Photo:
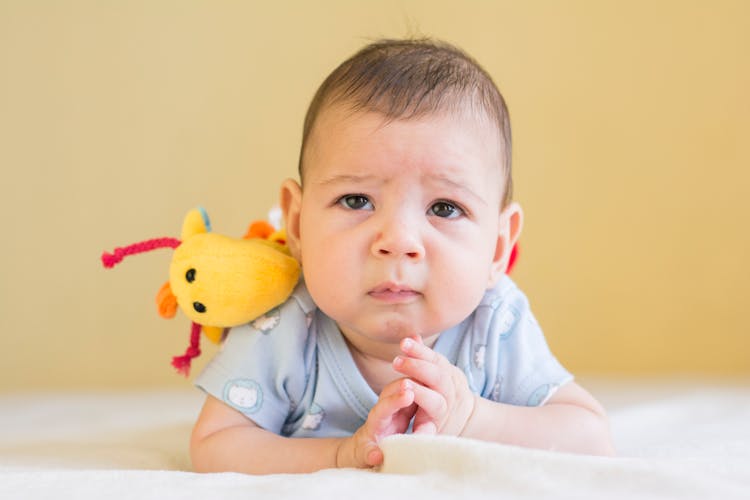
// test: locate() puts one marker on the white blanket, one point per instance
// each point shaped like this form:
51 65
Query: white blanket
674 441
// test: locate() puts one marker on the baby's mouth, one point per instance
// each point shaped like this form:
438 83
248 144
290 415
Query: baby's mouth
393 293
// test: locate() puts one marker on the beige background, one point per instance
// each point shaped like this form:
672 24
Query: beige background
631 124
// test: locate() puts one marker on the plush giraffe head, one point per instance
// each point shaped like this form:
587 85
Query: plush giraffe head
219 281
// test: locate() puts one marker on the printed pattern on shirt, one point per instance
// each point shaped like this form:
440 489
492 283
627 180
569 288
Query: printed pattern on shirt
244 394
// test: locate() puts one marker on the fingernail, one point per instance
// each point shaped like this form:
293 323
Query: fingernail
407 343
398 361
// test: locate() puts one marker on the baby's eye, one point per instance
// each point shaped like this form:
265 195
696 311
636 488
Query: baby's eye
446 210
355 202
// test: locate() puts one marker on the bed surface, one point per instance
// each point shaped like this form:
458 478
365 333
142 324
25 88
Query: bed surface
674 440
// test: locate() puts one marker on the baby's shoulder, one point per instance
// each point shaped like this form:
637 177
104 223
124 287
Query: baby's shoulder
284 328
294 314
505 294
503 310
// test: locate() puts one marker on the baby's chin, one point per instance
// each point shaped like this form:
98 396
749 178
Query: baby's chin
394 328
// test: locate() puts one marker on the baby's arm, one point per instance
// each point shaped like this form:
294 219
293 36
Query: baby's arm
225 440
572 420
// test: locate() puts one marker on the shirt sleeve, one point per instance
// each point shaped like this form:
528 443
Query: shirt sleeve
519 367
262 367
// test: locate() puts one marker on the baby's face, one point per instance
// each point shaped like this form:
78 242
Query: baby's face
400 223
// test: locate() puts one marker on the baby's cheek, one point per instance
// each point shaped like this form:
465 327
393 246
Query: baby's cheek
329 282
463 291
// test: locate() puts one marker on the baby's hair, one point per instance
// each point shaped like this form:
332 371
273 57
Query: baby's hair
411 78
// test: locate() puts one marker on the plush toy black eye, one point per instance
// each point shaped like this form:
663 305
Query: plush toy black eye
199 307
190 275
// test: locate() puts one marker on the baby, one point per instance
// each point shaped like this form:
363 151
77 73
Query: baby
405 320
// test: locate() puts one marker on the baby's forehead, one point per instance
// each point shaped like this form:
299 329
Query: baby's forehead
442 150
342 119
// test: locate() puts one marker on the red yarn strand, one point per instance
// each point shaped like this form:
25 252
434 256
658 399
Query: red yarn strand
110 260
182 363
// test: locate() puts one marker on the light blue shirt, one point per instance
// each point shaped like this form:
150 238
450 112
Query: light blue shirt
291 372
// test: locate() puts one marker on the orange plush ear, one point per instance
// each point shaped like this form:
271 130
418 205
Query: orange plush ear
166 302
259 229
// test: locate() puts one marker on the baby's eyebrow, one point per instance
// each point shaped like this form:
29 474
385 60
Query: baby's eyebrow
360 179
445 180
345 179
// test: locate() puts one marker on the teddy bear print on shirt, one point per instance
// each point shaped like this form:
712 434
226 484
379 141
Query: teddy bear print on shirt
244 394
268 321
314 418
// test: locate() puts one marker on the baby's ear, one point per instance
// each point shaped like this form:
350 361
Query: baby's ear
509 230
291 205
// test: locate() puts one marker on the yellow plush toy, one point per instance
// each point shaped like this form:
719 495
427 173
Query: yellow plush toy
218 281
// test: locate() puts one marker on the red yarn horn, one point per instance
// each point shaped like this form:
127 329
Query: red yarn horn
110 260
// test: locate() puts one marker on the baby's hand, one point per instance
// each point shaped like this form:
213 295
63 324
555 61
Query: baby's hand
441 391
390 415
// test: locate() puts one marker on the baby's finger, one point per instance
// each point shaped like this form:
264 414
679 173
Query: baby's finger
394 387
414 348
424 372
424 426
388 405
373 456
432 403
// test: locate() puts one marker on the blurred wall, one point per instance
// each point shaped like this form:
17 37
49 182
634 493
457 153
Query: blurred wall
631 125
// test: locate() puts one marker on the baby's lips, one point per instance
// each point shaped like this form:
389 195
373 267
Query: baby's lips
392 288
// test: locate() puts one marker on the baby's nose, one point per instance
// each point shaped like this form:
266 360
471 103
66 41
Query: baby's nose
397 239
